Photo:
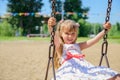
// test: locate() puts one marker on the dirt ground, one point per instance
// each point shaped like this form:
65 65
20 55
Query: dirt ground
27 60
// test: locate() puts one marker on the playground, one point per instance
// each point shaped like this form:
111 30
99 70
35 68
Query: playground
27 60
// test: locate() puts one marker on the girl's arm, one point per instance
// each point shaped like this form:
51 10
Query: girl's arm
51 23
94 40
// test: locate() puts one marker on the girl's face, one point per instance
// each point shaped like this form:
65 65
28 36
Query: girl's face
69 37
68 31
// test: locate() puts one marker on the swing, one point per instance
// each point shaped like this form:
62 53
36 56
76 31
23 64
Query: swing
105 42
52 45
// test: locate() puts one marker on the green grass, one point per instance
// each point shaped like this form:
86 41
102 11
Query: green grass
110 40
114 41
80 39
24 38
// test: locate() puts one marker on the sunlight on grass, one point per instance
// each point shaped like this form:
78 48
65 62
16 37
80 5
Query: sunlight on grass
110 40
80 39
24 38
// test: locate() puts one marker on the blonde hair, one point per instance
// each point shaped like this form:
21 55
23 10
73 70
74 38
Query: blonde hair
67 25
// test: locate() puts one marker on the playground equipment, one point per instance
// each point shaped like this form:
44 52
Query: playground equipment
52 46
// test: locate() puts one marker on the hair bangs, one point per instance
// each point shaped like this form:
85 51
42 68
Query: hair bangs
69 26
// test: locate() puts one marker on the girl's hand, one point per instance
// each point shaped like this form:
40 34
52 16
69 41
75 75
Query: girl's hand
51 23
107 25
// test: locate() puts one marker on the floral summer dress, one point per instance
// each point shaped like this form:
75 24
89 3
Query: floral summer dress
75 67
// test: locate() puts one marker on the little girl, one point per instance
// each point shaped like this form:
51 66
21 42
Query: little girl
69 60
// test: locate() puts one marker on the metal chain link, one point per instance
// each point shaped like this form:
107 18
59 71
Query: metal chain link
53 8
52 45
108 11
105 42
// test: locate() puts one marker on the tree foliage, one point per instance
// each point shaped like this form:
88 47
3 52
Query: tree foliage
85 28
6 29
29 22
74 7
115 31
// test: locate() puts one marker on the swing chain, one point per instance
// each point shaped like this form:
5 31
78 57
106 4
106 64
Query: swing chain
105 42
52 45
108 10
53 8
53 31
106 20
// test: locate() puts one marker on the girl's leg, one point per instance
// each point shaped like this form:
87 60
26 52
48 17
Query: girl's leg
116 77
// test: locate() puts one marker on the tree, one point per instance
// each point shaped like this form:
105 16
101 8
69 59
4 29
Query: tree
75 7
6 29
118 26
27 22
115 31
70 7
85 28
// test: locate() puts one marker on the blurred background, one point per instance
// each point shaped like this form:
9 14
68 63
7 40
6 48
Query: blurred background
29 17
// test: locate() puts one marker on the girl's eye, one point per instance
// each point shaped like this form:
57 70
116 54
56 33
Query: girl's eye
67 33
73 33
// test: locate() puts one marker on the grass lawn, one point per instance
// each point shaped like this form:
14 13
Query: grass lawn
23 38
110 40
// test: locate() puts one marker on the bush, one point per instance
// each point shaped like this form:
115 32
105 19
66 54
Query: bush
114 32
6 29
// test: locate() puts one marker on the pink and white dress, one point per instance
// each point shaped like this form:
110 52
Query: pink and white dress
75 67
